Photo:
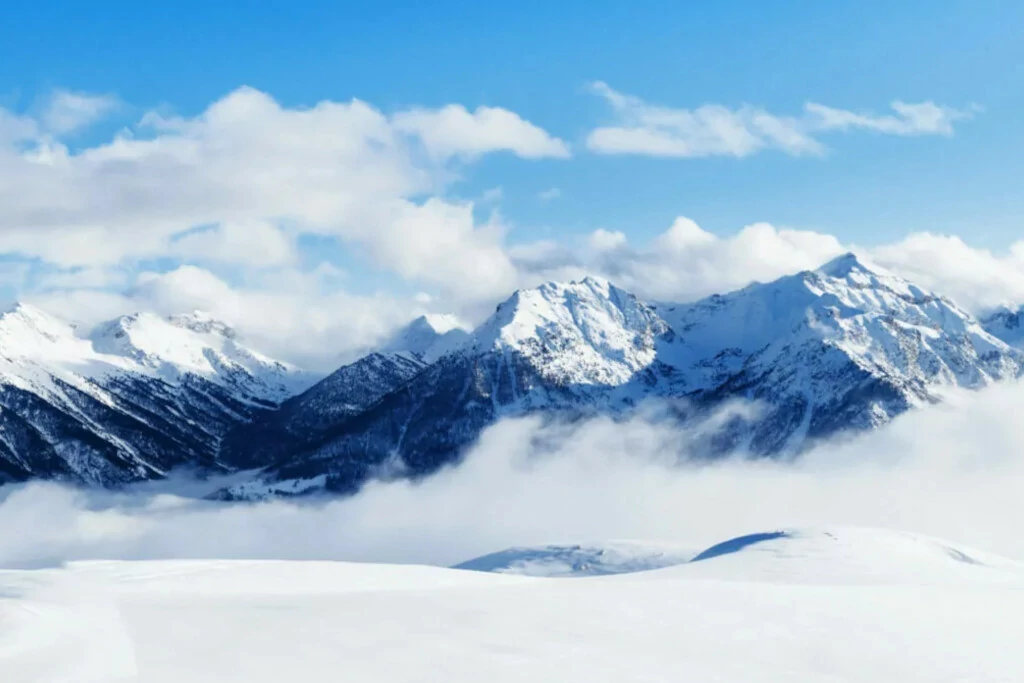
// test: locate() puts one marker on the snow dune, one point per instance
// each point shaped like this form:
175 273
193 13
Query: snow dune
800 605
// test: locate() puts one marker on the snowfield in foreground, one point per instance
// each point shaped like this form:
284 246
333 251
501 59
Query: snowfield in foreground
836 605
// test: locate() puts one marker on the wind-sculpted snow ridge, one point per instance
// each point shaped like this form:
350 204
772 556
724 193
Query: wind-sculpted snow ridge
134 399
846 605
843 348
850 555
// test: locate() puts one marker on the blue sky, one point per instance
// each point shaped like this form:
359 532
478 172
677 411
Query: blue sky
866 187
535 59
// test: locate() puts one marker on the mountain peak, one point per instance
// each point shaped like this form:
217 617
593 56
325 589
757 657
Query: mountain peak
202 322
20 309
842 266
428 337
22 321
587 331
440 323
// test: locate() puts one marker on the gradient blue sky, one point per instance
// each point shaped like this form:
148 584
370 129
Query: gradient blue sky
535 59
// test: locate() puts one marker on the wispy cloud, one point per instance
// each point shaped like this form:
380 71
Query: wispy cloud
67 111
922 118
549 194
454 131
716 130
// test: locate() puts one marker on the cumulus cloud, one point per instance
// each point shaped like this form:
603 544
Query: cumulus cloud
455 131
686 262
978 279
247 165
951 471
717 130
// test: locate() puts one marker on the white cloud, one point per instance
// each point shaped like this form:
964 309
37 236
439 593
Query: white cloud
440 241
977 279
709 130
253 243
686 262
16 129
549 194
923 118
607 240
453 131
82 278
338 170
716 130
67 111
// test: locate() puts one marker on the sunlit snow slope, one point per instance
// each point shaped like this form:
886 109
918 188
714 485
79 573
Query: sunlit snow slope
838 605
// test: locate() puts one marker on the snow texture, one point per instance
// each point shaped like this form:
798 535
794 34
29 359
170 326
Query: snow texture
841 605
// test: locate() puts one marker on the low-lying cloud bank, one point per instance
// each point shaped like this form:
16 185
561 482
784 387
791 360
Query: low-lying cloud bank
953 470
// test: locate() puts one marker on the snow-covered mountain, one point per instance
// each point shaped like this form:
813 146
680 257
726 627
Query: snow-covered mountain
320 412
136 397
845 347
200 346
842 348
428 337
571 348
1006 324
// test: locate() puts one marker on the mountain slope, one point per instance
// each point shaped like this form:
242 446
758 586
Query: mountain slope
428 337
573 349
324 409
138 397
1007 325
844 347
836 605
321 410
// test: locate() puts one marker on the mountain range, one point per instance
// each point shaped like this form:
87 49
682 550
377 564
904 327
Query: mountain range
843 348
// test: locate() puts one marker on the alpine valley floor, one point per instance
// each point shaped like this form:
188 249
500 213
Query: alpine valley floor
844 604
